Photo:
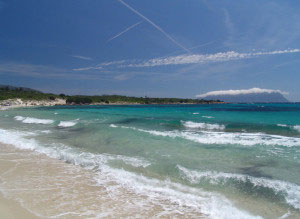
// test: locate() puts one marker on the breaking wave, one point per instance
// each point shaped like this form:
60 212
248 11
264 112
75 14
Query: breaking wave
295 127
208 117
290 191
209 137
202 125
172 197
67 123
30 120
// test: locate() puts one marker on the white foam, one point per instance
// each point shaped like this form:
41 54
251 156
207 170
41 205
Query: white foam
113 126
202 125
208 117
30 120
297 128
172 197
182 198
46 131
67 123
282 125
290 191
195 113
19 118
209 137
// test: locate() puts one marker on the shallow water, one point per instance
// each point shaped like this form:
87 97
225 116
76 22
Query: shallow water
218 161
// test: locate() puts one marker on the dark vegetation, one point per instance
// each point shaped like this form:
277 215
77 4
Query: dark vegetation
9 92
131 100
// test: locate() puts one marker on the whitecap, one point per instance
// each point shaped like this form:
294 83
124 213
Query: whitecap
282 125
30 120
46 131
19 118
297 128
208 117
202 125
195 113
66 124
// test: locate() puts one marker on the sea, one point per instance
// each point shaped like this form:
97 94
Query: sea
196 161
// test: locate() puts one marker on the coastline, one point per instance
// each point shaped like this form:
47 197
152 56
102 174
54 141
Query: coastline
50 187
57 177
18 103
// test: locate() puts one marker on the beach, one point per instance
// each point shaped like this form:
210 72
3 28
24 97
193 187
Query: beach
36 186
207 161
13 210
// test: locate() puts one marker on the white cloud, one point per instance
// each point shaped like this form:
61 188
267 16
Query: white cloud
82 57
112 63
100 66
205 58
237 92
87 68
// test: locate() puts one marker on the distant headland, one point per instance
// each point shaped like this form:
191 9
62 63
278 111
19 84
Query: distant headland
253 95
11 96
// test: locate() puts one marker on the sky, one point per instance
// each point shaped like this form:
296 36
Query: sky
155 48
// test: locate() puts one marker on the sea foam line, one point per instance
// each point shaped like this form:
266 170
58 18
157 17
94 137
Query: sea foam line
182 198
209 137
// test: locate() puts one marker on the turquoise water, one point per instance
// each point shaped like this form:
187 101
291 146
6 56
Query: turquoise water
246 155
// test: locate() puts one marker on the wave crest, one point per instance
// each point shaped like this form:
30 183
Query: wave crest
30 120
67 123
227 138
202 125
290 191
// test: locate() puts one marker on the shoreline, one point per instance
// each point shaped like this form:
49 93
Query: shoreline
37 186
18 103
56 177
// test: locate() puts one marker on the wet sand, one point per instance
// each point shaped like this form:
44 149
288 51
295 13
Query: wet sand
10 209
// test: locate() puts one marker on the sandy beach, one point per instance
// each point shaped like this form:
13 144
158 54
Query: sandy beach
36 186
16 103
10 209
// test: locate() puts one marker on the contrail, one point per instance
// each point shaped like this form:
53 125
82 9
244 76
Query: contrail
204 44
124 31
154 25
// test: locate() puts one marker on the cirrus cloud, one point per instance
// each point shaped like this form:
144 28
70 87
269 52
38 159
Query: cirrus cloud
205 58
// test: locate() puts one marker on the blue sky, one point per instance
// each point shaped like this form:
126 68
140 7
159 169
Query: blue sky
169 48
